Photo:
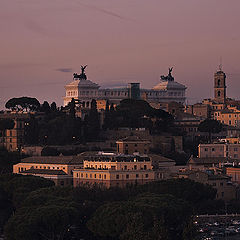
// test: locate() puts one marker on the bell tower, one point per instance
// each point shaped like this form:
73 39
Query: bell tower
220 86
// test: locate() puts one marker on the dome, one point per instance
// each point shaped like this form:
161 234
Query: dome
82 83
167 85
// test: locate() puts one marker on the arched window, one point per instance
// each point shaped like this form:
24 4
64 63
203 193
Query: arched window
219 93
219 82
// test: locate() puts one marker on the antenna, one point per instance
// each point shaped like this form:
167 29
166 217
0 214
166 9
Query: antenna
220 65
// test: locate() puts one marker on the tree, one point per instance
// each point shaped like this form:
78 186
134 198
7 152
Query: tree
18 187
53 107
49 151
23 103
7 160
210 126
6 123
72 110
49 221
45 107
92 122
31 130
159 217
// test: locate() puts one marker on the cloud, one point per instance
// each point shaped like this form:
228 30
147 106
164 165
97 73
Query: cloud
102 10
35 27
64 70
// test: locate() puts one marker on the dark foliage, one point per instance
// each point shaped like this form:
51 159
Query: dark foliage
23 103
210 126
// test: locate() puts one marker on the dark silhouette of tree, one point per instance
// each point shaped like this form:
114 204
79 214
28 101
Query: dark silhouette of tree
49 151
6 123
120 219
23 103
31 131
45 107
92 122
210 126
53 107
72 108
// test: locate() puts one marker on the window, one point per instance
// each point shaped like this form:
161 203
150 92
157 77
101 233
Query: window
221 184
86 175
95 175
213 149
219 93
81 174
135 167
90 175
104 176
146 175
77 174
125 167
145 167
127 176
100 176
235 149
206 149
137 176
117 176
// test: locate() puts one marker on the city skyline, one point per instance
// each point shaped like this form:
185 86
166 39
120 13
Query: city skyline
43 44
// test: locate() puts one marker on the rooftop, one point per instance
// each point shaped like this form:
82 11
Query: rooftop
69 160
44 171
133 139
113 157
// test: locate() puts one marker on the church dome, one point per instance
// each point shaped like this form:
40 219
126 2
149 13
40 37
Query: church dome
168 85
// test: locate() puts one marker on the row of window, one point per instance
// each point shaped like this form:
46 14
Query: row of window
215 184
226 116
103 176
213 149
114 167
221 155
156 93
44 167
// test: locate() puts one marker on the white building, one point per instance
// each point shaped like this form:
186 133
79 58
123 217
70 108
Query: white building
85 90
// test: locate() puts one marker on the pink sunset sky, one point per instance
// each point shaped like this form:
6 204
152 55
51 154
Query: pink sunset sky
43 42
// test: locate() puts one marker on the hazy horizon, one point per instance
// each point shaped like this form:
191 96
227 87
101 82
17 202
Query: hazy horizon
42 43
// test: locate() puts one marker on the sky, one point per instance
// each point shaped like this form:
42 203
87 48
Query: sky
42 43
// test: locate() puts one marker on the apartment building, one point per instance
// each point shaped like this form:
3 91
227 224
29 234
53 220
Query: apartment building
58 168
113 169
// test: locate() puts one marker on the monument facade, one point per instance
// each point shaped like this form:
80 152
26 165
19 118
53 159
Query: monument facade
84 90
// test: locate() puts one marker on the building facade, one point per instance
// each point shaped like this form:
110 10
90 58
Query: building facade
133 144
85 90
226 150
13 139
58 168
110 169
